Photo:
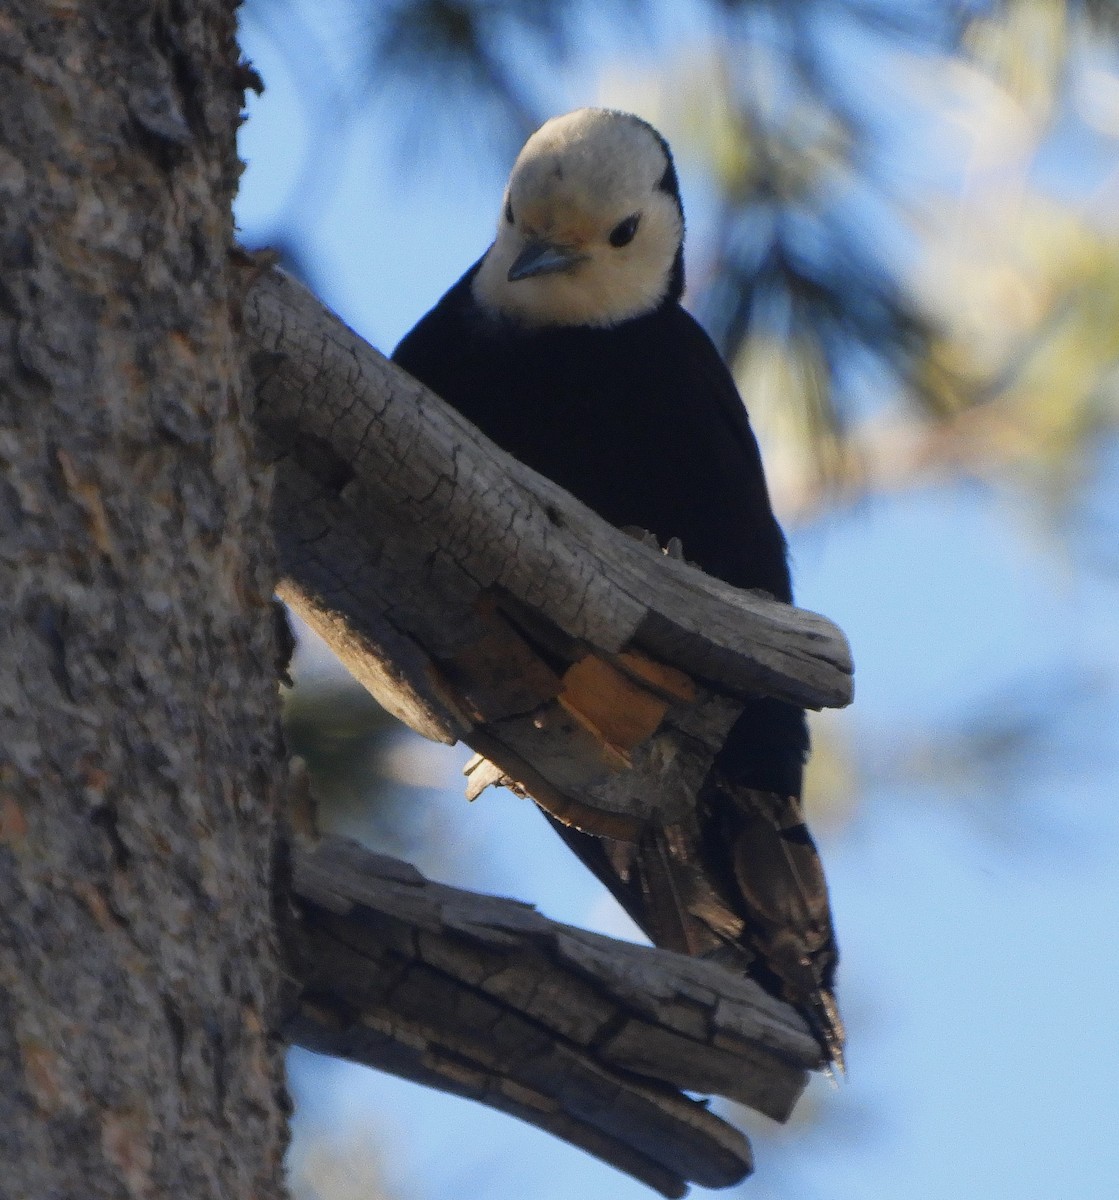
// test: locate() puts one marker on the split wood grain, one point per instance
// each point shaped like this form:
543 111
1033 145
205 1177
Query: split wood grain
480 602
592 1039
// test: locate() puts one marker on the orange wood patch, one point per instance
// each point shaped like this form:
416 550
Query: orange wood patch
671 683
615 707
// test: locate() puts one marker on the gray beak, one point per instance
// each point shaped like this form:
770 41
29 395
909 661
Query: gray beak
542 258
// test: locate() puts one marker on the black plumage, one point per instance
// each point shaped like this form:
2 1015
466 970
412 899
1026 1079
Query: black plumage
641 420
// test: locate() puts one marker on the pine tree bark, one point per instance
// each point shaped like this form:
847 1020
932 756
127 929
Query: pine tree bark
139 764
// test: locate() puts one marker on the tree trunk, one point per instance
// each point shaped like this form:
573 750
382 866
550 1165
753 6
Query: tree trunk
139 765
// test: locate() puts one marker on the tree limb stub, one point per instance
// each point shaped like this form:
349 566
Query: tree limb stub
478 601
589 1038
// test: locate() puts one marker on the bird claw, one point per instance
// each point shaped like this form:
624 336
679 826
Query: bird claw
642 535
674 548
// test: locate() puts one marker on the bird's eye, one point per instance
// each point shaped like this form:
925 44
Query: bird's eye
509 211
622 233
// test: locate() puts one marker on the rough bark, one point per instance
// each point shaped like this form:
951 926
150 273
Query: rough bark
589 1038
139 771
480 602
139 767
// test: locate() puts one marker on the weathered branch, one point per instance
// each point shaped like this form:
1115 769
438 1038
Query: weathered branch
480 602
589 1038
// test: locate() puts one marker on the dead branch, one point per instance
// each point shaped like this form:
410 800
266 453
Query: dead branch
589 1038
478 601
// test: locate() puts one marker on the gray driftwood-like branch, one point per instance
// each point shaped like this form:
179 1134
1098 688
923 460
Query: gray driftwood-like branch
480 602
588 1038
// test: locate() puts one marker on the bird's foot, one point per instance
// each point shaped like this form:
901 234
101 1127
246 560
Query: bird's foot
641 535
673 549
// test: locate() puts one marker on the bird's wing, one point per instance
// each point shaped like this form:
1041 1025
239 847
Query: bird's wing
711 376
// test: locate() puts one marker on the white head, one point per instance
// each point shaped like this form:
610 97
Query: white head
591 227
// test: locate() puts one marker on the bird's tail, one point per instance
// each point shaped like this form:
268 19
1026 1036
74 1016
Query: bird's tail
773 877
739 882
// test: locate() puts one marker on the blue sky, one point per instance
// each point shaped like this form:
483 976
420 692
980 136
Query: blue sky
977 915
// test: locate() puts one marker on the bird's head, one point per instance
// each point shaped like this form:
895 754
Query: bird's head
591 229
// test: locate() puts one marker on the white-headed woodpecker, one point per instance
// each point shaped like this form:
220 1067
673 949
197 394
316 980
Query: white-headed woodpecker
566 344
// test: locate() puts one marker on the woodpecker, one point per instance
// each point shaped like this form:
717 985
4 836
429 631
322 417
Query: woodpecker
567 345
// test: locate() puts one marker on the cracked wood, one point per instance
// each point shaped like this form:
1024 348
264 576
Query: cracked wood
592 1039
479 602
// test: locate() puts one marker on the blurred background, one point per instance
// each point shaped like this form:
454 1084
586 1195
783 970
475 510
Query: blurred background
903 232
